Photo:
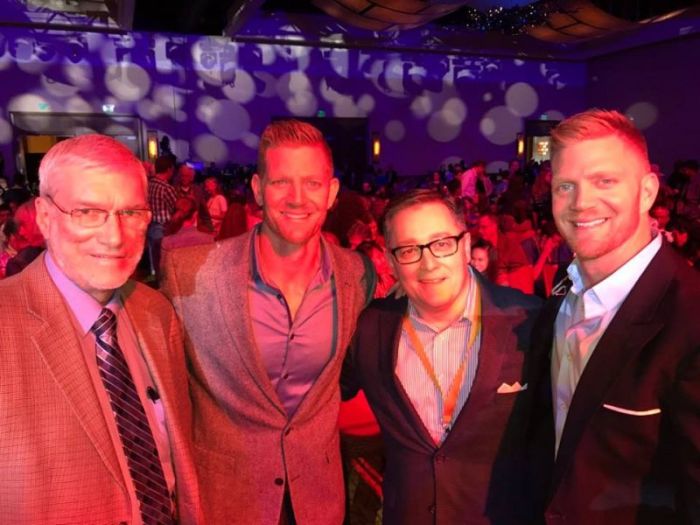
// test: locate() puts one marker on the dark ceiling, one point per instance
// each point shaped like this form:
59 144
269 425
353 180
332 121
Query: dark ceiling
210 17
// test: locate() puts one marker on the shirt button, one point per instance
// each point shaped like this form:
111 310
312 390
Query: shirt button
279 481
285 375
286 432
291 336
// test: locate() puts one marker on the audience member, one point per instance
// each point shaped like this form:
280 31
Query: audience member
615 414
265 362
216 203
161 200
94 412
442 368
480 257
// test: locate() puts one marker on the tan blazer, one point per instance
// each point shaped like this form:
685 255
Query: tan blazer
57 462
245 445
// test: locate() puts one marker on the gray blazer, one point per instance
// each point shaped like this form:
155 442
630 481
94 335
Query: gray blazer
245 444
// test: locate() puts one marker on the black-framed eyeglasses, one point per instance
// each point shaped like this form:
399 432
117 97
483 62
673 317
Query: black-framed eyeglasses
443 247
96 217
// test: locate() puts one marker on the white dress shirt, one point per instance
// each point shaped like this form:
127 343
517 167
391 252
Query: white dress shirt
445 351
583 317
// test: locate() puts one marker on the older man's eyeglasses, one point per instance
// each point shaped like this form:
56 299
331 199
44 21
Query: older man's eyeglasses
443 247
96 217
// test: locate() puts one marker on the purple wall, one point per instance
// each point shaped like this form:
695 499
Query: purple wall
658 87
213 97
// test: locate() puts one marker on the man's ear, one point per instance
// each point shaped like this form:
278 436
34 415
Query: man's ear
649 189
467 246
256 185
43 206
333 192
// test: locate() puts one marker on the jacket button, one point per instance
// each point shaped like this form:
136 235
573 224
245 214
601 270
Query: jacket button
431 509
279 481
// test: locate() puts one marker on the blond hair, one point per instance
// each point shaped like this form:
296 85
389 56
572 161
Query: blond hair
594 124
290 133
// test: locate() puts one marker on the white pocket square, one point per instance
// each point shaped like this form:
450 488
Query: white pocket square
629 412
505 388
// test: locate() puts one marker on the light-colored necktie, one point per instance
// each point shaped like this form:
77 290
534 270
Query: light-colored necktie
134 431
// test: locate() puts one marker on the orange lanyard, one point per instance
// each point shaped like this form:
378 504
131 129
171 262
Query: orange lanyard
449 402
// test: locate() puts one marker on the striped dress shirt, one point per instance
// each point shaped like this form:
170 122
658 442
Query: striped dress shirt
445 351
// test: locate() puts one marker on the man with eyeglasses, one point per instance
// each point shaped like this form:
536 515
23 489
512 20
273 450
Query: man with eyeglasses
94 411
443 370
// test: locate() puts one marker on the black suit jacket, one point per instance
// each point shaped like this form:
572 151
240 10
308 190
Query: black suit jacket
475 476
615 464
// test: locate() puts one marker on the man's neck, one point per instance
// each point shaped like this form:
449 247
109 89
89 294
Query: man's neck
594 271
441 318
290 262
289 267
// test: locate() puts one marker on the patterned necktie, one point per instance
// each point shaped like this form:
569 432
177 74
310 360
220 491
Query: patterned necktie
134 431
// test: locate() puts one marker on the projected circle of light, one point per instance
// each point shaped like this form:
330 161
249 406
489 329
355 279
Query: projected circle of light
500 126
210 148
291 84
168 98
80 75
553 114
344 107
422 106
521 99
496 166
243 88
5 132
488 97
302 104
118 129
57 89
452 159
229 120
251 140
441 128
129 82
455 111
366 103
33 66
644 114
148 110
179 116
5 61
28 102
205 108
181 148
395 131
78 105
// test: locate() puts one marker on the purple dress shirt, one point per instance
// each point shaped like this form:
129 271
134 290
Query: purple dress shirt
293 351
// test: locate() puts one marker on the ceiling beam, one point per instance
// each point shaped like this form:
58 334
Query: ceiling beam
238 15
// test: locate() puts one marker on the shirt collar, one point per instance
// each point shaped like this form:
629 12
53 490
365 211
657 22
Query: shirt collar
323 275
609 293
84 307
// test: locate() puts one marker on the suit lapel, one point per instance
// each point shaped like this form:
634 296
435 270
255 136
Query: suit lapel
636 322
234 302
151 340
61 350
491 354
389 337
345 325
